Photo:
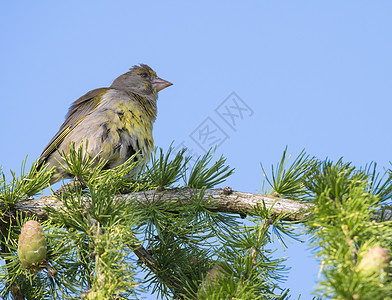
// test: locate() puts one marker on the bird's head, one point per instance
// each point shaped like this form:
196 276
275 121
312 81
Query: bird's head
141 80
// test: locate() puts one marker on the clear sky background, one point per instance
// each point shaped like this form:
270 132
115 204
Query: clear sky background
308 75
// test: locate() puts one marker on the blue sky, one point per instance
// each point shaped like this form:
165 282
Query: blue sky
306 74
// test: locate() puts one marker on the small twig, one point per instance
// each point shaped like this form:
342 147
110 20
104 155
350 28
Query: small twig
145 257
98 267
153 265
255 251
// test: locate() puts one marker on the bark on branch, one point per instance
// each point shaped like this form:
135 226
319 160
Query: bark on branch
223 200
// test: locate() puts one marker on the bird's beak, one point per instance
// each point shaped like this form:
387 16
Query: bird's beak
159 84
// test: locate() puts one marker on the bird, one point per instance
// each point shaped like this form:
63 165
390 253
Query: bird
116 122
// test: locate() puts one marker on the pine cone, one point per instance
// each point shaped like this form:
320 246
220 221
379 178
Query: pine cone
32 246
375 261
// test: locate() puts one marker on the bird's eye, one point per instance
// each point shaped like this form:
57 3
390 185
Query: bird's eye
144 75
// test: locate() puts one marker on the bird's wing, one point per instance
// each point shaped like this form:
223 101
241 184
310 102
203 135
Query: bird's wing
82 107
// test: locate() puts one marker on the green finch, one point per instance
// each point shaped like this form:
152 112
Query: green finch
117 121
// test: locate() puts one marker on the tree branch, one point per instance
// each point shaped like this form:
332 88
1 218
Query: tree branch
223 200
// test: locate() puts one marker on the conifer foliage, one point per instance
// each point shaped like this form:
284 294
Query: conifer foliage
98 246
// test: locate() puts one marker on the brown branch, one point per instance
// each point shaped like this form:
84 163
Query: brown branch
222 200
